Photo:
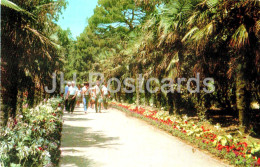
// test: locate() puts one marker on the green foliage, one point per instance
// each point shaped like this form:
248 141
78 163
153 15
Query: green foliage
33 137
116 13
177 39
28 54
13 6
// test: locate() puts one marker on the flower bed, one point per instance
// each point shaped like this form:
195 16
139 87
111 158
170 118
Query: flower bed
224 146
33 137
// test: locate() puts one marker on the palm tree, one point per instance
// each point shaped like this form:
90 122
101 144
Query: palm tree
230 27
26 50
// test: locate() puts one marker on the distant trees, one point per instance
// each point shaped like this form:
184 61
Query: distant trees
179 38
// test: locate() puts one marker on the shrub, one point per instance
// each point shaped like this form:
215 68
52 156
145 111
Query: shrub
33 137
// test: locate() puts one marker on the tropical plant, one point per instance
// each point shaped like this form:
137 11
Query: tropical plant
29 57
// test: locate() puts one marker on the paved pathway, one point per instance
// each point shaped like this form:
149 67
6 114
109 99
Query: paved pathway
112 139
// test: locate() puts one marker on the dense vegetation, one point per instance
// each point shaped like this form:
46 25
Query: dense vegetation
33 137
32 48
175 39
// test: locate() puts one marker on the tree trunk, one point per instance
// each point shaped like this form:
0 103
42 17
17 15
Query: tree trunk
146 96
9 82
242 99
170 102
137 91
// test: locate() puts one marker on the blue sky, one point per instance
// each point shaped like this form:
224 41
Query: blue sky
76 14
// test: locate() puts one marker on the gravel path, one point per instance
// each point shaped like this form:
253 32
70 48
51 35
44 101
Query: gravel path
112 139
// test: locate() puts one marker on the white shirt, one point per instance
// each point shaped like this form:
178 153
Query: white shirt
104 90
73 90
97 89
84 89
91 90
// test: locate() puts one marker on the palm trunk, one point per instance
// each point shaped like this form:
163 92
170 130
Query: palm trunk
137 92
146 96
170 103
9 81
242 99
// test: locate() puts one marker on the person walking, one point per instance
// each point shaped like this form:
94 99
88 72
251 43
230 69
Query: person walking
106 95
98 97
92 97
78 98
66 108
71 96
86 96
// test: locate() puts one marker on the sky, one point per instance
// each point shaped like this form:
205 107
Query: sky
75 15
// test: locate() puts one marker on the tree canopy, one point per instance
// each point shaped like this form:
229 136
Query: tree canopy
177 38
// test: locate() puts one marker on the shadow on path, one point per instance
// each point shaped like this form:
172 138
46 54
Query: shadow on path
76 138
79 161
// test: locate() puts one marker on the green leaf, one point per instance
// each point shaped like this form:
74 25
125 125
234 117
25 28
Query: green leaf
223 141
211 3
13 6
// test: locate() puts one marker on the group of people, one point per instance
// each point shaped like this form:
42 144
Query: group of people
94 97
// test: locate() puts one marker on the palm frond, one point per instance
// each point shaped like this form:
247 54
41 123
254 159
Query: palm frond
15 7
172 67
200 36
211 3
192 18
240 37
190 33
44 40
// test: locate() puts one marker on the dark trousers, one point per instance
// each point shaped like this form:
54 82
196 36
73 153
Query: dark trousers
71 103
66 104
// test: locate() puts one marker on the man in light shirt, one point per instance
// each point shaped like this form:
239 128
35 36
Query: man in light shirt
65 96
71 96
98 97
105 95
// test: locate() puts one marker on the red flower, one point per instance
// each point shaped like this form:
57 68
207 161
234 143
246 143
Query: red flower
40 148
228 149
220 147
245 144
258 161
186 122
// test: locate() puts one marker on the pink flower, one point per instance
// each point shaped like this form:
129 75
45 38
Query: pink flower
25 106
